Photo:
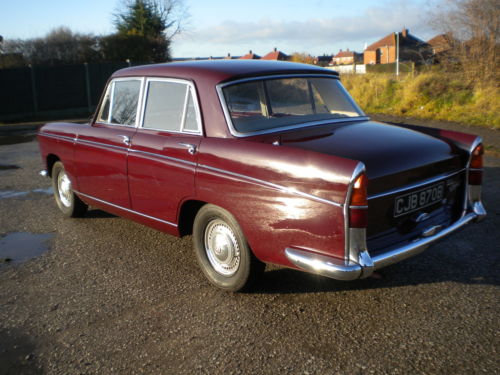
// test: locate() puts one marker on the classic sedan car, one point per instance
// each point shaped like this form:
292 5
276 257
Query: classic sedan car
264 162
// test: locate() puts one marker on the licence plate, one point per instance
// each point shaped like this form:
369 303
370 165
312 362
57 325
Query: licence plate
416 200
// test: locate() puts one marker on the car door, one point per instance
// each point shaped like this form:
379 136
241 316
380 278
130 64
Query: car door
163 156
102 149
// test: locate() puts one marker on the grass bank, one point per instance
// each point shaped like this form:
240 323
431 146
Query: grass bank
430 95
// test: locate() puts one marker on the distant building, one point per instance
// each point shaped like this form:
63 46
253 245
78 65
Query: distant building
324 60
275 55
411 48
347 58
250 56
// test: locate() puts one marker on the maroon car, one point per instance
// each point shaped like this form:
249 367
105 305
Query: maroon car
264 162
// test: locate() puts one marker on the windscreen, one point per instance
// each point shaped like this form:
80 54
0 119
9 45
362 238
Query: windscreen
261 105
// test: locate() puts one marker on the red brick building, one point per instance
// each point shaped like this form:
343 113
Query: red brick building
275 55
347 58
384 50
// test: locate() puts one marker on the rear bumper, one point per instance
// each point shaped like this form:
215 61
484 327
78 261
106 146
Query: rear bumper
341 270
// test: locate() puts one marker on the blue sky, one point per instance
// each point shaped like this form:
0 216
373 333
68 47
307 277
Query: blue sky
218 27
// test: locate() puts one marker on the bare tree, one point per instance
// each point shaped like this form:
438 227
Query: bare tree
472 28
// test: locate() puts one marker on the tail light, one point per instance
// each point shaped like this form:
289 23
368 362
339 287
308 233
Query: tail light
476 166
358 207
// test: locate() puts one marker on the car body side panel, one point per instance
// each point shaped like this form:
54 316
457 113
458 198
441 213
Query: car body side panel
280 197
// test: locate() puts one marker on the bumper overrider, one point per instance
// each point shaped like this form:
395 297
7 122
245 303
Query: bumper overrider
365 264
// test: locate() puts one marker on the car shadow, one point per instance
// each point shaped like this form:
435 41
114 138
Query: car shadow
98 214
17 353
469 256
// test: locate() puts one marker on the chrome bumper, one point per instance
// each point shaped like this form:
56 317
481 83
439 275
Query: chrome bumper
341 270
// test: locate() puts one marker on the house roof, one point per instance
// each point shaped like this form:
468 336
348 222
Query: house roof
440 41
405 39
345 54
275 55
250 56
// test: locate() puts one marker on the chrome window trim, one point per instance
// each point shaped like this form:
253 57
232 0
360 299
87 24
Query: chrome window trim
139 106
415 185
238 134
126 209
190 89
271 185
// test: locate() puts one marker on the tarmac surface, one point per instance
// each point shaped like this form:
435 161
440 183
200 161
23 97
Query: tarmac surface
103 295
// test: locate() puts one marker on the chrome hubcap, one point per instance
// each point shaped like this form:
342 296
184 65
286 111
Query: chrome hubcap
222 248
64 189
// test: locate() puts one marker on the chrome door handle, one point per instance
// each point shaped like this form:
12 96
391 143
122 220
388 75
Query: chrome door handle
190 147
125 139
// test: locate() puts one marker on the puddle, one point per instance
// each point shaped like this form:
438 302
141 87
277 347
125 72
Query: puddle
18 247
4 167
5 194
15 139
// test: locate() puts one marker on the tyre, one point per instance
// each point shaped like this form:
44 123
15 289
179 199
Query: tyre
69 204
222 250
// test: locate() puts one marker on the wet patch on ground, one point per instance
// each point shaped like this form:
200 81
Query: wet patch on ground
18 247
5 194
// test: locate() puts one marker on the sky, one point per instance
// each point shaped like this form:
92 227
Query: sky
218 27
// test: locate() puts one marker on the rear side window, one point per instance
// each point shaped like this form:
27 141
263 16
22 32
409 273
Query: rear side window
121 101
170 106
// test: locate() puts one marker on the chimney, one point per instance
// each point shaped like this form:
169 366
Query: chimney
405 32
250 52
275 49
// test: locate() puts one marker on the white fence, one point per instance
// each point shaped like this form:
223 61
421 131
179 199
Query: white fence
349 69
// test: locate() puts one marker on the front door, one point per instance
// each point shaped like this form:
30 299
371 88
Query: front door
102 149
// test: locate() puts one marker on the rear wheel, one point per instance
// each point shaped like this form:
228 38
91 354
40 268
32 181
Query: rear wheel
69 204
222 250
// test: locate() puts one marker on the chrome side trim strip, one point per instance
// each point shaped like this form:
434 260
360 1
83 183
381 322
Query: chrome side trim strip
126 209
57 136
416 185
102 145
349 270
145 153
271 185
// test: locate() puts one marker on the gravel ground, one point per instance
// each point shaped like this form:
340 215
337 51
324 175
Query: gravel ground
114 297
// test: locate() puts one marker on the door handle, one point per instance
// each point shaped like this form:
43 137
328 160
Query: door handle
125 139
190 147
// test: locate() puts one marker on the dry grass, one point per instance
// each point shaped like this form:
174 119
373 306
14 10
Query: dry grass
433 95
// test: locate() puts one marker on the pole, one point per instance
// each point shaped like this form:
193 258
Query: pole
397 53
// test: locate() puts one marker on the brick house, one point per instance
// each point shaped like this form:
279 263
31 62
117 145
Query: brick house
411 48
347 58
275 55
250 56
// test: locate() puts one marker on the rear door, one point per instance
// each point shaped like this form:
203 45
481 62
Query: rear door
162 159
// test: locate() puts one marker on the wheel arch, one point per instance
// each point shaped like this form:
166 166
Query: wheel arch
187 214
50 161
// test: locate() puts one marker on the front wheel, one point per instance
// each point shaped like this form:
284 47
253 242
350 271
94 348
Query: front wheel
67 201
222 250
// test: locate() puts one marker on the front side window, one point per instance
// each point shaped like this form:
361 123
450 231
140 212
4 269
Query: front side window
120 103
170 106
267 104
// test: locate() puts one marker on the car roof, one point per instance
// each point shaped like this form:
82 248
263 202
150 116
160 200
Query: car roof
218 71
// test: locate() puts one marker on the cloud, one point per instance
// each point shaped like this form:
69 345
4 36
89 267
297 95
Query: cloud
372 24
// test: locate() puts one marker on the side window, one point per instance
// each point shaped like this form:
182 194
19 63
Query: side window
170 106
125 101
120 103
